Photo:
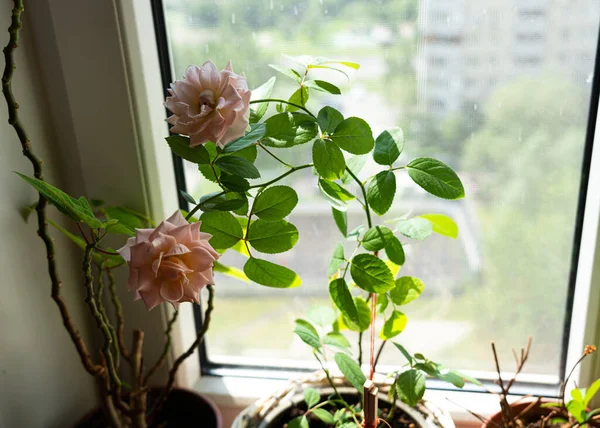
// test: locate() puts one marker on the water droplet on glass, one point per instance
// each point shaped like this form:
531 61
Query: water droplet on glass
254 35
206 48
326 11
296 10
475 107
233 18
271 4
589 78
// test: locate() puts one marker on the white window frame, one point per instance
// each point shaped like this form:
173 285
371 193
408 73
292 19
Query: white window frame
106 51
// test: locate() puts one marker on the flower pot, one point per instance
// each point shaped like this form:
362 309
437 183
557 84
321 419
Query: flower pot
279 409
183 408
533 414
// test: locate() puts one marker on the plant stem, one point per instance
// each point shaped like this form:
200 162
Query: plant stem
379 351
327 374
112 287
268 183
14 121
138 392
199 336
274 156
364 192
278 100
113 333
166 348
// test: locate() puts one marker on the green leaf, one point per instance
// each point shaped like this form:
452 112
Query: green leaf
300 97
355 164
377 238
289 129
78 210
407 289
354 234
337 340
415 228
239 166
442 224
353 65
234 183
393 326
327 67
275 203
337 260
591 392
341 220
289 72
436 178
307 333
334 191
189 198
231 271
452 377
381 192
128 217
395 252
323 86
323 316
181 147
577 395
256 132
272 237
371 274
340 294
270 274
224 228
404 352
210 173
388 146
354 136
351 371
216 202
299 422
311 397
264 91
324 415
328 159
382 302
411 386
249 153
329 118
576 409
363 320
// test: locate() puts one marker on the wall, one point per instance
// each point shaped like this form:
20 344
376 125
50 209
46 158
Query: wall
42 383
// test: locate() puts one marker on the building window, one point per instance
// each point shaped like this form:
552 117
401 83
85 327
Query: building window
508 275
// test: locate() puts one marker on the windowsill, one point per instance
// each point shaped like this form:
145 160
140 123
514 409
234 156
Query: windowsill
234 393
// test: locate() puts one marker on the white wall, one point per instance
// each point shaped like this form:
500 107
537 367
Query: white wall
42 383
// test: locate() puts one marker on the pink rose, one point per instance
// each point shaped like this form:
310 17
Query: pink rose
170 263
209 105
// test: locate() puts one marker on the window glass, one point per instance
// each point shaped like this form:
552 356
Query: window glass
498 89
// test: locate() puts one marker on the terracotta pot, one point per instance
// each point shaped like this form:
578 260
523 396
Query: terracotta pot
425 415
533 414
183 408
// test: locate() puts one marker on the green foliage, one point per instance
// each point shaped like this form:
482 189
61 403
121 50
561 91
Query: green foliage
256 132
299 422
322 316
324 415
289 129
311 397
264 91
328 159
341 220
308 334
395 252
371 274
270 274
351 371
336 260
181 147
411 386
377 238
272 237
275 203
336 195
354 164
354 136
416 228
442 225
388 146
289 72
224 228
300 97
407 289
381 192
363 320
217 201
230 271
436 178
340 294
323 86
393 326
329 118
234 183
237 165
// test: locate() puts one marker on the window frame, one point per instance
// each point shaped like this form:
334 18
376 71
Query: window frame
583 288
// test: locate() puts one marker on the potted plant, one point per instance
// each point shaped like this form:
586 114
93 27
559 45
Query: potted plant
220 125
538 411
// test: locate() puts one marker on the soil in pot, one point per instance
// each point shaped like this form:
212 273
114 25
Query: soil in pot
532 417
182 409
401 419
